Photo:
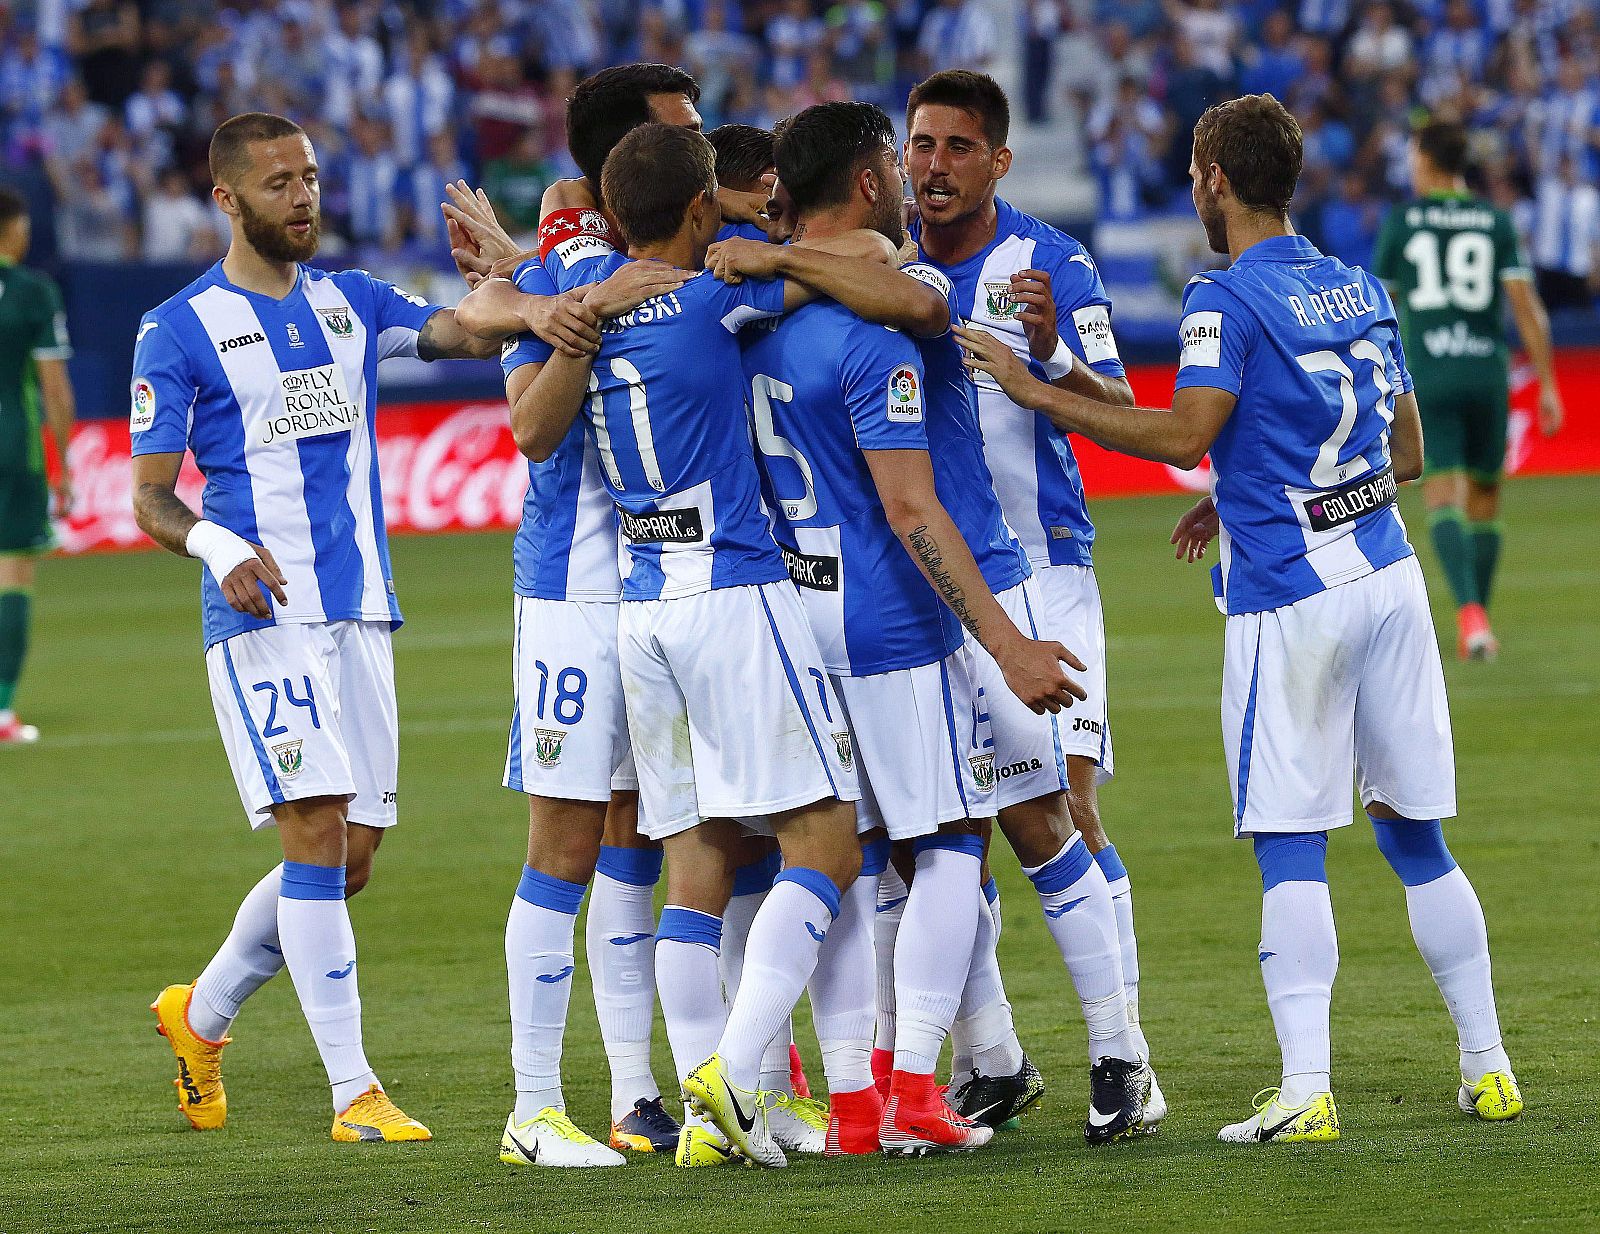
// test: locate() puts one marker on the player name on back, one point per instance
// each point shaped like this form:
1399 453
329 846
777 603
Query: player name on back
1344 303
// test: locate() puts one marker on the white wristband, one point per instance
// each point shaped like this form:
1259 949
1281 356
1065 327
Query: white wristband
1060 362
218 547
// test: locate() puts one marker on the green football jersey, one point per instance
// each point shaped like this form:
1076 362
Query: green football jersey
33 326
1444 257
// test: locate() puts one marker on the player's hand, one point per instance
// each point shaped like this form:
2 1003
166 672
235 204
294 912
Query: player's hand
740 207
472 266
982 352
1032 670
242 586
1031 289
1195 530
1552 411
63 495
566 323
471 210
734 260
629 286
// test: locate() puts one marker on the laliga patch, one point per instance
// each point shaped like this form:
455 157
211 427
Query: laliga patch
1094 333
316 402
143 415
1201 335
905 396
289 760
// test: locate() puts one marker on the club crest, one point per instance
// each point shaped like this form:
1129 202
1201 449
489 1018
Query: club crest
999 301
547 745
847 756
289 759
982 771
338 321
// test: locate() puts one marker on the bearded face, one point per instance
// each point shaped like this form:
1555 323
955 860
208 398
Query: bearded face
277 238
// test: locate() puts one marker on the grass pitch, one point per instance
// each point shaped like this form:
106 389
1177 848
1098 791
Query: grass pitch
126 854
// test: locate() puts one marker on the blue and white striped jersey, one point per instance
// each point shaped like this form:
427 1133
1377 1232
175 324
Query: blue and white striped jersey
666 410
566 546
824 386
1035 472
955 438
275 400
1300 472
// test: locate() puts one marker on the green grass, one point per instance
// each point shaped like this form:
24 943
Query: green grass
125 853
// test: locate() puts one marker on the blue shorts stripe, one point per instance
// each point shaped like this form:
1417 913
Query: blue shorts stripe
1055 728
1247 737
273 787
514 753
950 730
794 688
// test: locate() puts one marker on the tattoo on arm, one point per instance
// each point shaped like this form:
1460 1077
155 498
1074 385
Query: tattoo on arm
163 517
429 346
926 550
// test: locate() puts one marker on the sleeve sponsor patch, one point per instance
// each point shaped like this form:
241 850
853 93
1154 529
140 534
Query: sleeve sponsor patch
1093 323
1201 335
925 273
143 414
563 227
905 396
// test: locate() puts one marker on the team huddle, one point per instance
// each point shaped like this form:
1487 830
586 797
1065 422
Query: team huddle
805 615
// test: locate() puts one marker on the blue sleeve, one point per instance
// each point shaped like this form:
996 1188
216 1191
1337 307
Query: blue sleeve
1399 375
1083 309
572 263
880 372
533 278
163 390
738 304
1217 335
396 317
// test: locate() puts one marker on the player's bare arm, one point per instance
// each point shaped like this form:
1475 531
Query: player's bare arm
443 337
496 308
1405 439
1179 436
55 391
477 240
904 480
545 399
241 569
1040 324
1533 327
872 289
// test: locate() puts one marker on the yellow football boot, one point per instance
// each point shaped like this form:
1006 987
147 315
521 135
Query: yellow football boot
200 1096
1315 1122
373 1117
701 1146
1495 1098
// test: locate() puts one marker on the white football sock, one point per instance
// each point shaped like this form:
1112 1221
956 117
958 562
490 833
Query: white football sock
885 930
1081 919
1447 923
984 1018
248 958
619 938
934 949
1299 960
779 958
690 987
319 948
1116 873
539 969
843 990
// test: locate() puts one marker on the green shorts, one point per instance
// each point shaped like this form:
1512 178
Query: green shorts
1464 426
25 513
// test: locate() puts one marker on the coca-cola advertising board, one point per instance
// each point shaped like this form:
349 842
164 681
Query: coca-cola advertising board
454 467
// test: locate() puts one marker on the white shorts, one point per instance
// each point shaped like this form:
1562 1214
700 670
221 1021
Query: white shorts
729 709
1029 749
569 730
924 756
308 710
1349 677
1073 618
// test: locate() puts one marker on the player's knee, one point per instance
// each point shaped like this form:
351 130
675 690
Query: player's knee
1037 829
1292 857
1414 848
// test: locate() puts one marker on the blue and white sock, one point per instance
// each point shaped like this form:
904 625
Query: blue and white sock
687 946
619 938
934 951
320 949
1122 901
780 955
843 986
1081 919
751 882
892 894
539 968
1299 957
984 1037
1447 924
248 958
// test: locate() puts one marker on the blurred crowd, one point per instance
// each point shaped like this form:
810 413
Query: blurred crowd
1524 75
113 101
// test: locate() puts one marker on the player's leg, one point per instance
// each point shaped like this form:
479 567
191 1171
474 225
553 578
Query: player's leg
1485 457
16 620
1407 781
1446 419
758 864
620 941
892 895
